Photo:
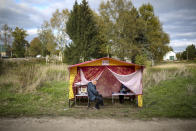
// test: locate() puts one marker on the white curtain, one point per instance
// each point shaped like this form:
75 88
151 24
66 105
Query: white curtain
132 81
84 81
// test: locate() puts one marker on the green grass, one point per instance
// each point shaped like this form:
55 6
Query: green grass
171 98
48 100
169 91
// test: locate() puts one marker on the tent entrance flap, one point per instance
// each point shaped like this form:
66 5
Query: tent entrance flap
107 84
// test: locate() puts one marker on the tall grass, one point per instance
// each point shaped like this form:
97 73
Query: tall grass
31 88
28 76
154 75
170 91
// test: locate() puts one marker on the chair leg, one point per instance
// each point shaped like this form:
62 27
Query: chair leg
88 102
75 100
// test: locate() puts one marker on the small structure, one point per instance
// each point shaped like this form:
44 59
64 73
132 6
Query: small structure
170 56
3 52
110 75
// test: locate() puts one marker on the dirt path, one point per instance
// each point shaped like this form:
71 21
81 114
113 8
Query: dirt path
72 124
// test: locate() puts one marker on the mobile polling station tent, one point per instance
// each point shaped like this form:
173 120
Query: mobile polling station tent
110 74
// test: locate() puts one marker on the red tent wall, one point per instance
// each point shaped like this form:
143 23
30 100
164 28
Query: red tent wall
107 83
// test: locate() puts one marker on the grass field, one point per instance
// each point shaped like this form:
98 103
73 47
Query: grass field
37 89
175 97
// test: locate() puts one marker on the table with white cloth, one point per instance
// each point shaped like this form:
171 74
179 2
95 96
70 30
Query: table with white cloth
119 94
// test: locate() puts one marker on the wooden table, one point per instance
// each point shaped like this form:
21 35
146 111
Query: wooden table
119 94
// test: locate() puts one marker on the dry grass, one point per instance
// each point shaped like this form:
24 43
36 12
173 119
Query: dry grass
175 65
48 73
154 75
28 77
44 91
190 89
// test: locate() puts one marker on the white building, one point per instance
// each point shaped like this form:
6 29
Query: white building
170 56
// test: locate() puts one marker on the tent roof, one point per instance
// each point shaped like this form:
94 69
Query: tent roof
99 62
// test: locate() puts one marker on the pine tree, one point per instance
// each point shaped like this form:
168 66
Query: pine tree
190 52
84 33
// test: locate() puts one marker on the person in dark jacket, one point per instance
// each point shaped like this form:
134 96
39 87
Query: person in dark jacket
93 94
123 90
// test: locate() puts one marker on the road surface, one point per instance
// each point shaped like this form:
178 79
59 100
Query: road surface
87 124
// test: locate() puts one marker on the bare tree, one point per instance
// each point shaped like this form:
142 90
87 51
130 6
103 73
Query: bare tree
6 37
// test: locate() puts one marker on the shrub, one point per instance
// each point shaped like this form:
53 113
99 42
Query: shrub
141 60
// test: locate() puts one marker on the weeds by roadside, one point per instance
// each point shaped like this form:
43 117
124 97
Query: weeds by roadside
172 97
26 77
154 75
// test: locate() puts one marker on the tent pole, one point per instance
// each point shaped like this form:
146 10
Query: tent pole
139 101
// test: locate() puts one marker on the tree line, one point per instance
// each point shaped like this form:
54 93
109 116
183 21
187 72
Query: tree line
14 41
118 29
188 54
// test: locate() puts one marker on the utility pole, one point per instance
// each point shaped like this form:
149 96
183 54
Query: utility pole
187 55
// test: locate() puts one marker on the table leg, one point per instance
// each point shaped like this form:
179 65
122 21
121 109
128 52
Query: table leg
75 100
112 100
88 102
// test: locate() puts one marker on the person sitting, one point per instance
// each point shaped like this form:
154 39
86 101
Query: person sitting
93 94
123 90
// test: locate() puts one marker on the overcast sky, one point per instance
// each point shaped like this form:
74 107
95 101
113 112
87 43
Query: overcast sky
177 16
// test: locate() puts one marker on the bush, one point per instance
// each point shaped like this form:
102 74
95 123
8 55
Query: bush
141 60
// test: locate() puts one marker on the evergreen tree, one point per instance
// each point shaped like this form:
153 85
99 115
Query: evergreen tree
191 51
20 45
71 55
84 33
179 56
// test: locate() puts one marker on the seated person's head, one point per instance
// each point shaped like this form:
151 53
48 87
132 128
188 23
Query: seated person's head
124 89
94 82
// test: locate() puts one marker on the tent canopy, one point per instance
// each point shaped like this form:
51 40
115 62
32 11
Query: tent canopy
109 72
